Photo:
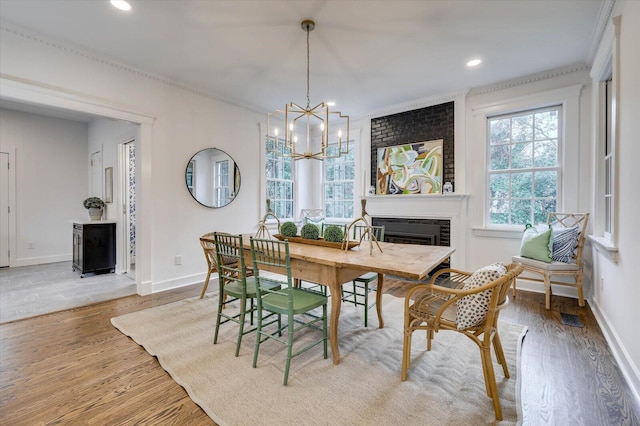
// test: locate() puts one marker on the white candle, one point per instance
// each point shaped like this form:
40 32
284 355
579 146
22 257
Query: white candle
364 183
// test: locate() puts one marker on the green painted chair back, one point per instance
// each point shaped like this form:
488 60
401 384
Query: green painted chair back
359 232
285 300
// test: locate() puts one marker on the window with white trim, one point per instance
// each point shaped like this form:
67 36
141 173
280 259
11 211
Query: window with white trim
279 172
524 173
338 184
608 160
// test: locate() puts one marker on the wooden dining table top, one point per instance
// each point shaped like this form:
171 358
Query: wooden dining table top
411 261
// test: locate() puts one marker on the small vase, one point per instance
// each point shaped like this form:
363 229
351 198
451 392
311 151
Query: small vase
95 214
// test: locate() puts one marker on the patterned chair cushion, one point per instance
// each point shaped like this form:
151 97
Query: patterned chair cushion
473 309
565 241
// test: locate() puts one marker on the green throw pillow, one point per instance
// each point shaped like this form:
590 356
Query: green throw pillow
537 245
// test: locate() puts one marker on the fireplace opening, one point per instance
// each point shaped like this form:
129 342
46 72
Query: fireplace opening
435 232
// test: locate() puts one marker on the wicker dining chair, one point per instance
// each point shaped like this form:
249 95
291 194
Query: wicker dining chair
358 293
445 304
566 263
234 286
209 248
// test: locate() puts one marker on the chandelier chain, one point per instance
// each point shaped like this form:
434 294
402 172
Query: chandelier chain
308 99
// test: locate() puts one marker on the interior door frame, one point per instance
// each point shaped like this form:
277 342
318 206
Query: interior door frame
45 95
7 217
123 215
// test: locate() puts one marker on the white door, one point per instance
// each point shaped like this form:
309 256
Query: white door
96 174
4 209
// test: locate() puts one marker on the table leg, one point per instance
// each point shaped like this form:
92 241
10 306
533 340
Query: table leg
336 301
379 300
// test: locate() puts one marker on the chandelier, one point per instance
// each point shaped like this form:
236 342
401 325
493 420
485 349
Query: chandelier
310 133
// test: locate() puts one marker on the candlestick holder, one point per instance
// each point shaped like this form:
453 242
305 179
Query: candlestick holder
368 230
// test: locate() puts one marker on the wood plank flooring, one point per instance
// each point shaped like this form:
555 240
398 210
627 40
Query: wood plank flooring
74 367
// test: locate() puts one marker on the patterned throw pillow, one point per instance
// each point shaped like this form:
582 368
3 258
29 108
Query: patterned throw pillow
473 309
565 241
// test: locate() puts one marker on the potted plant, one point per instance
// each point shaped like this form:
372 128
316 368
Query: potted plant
95 206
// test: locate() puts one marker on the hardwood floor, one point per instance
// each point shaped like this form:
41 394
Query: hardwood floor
74 367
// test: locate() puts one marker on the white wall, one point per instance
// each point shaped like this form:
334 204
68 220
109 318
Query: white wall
616 301
183 123
50 166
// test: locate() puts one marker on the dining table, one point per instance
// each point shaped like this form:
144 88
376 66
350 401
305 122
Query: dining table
333 267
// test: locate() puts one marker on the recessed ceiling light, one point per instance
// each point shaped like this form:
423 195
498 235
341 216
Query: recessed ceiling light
331 103
474 62
121 4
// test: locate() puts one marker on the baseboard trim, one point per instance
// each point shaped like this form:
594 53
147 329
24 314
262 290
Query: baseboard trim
30 261
538 287
184 281
629 370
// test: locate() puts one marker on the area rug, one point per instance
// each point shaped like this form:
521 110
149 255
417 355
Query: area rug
444 386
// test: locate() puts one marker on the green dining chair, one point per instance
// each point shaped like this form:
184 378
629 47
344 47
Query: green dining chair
358 293
278 296
234 286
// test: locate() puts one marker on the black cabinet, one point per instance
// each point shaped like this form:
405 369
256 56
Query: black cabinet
94 247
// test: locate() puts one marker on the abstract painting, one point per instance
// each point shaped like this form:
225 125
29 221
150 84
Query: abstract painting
414 168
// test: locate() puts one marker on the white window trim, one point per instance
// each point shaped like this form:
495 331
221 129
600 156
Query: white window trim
568 153
606 64
359 181
263 182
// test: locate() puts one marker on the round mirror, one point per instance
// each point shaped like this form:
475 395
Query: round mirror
213 178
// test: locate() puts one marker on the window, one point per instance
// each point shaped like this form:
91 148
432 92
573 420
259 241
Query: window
524 167
338 181
222 183
608 160
279 173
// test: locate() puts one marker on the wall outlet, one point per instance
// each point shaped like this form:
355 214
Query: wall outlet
601 284
178 260
31 246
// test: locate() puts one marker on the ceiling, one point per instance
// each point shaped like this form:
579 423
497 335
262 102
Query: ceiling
365 55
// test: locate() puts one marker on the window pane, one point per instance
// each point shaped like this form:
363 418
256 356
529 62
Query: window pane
520 212
542 209
522 128
499 185
499 211
522 185
522 155
546 125
499 157
546 184
500 131
545 154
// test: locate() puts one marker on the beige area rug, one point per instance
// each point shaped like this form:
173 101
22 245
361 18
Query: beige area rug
444 387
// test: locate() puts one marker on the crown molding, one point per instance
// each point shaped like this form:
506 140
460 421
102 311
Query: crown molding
29 35
414 104
558 72
602 21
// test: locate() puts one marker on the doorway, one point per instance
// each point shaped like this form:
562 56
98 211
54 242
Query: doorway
4 209
96 174
127 169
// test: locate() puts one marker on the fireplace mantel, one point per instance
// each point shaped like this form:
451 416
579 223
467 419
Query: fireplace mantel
453 207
